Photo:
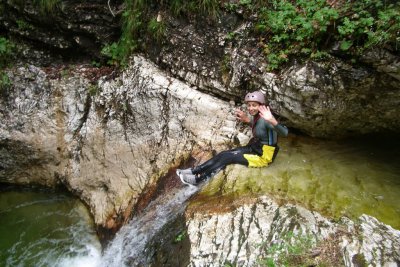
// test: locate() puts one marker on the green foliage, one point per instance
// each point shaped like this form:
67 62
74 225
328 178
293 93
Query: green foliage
226 64
228 264
291 251
47 6
369 24
96 64
114 53
293 27
180 237
359 260
246 3
287 28
137 21
23 25
44 6
181 7
93 89
5 82
65 73
232 7
208 7
310 27
132 27
156 29
6 51
230 36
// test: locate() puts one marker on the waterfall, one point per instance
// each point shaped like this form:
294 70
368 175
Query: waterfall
129 245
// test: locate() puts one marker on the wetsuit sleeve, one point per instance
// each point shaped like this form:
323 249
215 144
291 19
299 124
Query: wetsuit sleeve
281 129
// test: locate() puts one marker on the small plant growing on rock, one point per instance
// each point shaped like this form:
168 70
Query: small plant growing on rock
93 89
47 5
23 25
6 52
291 250
180 237
5 82
302 250
156 29
114 53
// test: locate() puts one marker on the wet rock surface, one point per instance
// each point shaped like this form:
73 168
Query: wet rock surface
329 99
63 27
107 141
254 230
222 56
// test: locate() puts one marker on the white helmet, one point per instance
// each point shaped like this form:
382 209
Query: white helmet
256 96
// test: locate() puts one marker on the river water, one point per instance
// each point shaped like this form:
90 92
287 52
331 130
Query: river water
342 178
41 228
336 178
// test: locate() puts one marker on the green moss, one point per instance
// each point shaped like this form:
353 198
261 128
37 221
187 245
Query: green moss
322 176
93 89
47 6
292 250
359 260
23 25
5 82
7 49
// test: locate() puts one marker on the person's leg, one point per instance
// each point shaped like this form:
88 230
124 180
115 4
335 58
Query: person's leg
220 161
209 163
189 176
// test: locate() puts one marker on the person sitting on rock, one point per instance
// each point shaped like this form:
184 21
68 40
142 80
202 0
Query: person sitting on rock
259 152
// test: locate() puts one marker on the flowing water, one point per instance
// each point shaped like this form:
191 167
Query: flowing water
129 246
39 228
333 177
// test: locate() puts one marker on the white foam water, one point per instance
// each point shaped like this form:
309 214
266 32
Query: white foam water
129 245
89 257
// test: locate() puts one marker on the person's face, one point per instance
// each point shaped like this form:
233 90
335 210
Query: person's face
252 107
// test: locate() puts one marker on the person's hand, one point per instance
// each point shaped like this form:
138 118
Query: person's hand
242 116
266 114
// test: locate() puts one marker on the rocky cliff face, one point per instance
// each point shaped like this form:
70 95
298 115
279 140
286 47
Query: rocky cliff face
324 99
222 57
61 29
109 141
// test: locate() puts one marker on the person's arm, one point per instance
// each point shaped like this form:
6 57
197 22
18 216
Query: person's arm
242 116
281 129
266 114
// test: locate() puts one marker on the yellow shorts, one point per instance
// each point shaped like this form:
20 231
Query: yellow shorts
263 160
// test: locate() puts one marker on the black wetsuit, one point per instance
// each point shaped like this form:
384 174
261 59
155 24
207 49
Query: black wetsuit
263 134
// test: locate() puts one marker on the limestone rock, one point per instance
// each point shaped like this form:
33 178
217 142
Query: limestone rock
80 27
109 141
246 235
329 99
223 57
